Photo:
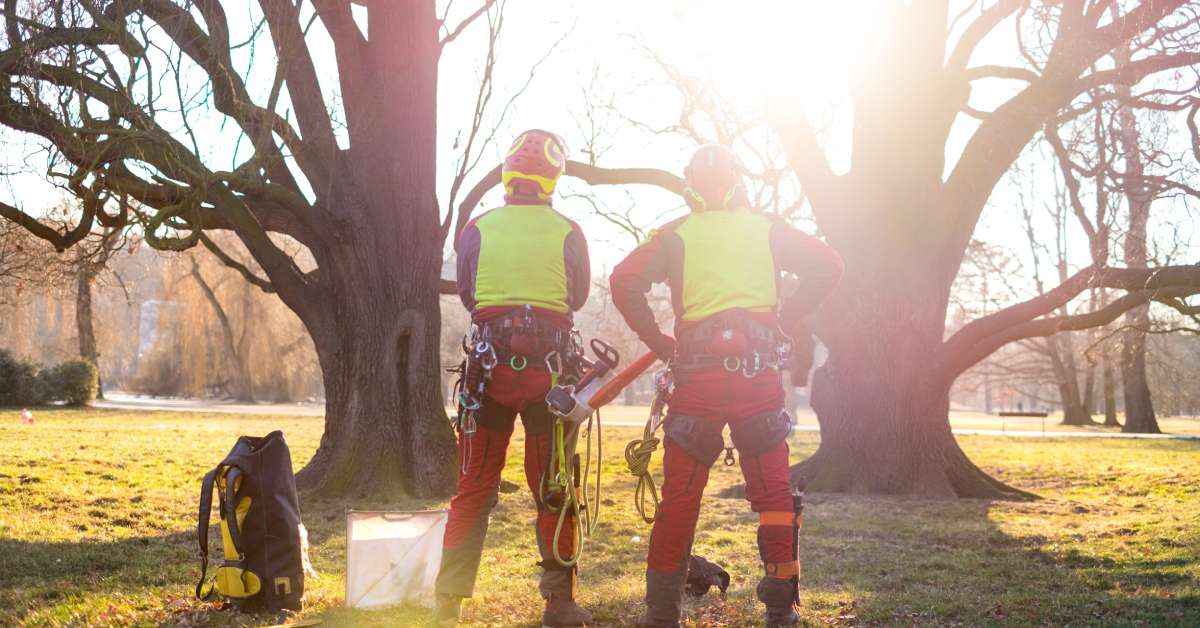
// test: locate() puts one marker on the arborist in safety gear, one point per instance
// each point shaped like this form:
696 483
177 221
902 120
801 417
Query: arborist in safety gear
522 270
722 263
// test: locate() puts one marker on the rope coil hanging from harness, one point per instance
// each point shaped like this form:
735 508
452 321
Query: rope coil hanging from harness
640 451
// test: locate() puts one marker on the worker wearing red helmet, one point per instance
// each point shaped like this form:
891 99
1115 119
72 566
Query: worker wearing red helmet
522 270
722 263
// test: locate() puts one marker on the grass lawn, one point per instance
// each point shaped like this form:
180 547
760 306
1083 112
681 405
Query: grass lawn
97 526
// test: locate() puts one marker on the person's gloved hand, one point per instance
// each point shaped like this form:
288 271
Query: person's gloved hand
663 346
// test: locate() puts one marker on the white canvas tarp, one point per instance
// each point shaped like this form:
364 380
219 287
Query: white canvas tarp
392 557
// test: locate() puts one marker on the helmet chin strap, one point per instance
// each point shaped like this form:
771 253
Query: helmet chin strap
696 201
526 192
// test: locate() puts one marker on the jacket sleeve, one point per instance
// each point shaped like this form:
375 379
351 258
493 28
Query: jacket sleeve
632 279
814 263
579 268
468 263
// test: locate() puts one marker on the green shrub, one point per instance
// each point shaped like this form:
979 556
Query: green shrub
19 382
74 383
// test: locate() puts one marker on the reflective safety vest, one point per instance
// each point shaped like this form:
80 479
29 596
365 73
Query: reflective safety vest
727 263
521 258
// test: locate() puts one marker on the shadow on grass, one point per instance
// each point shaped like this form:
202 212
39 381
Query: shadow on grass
899 561
35 575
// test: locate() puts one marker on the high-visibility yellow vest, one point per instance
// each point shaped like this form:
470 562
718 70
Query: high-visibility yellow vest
521 258
727 263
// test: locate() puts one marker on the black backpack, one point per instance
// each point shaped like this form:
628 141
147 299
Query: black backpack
260 527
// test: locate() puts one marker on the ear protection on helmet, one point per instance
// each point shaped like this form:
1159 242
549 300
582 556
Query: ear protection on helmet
713 179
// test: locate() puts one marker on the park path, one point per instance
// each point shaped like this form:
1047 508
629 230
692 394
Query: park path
124 401
116 400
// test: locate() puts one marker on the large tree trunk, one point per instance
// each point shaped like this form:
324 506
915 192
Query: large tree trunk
885 425
84 321
1139 408
377 329
386 430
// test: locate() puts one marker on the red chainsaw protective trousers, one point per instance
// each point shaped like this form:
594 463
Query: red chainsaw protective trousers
715 398
481 459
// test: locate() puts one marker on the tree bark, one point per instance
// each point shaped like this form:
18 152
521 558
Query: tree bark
1060 350
84 320
386 430
1139 407
1089 390
885 426
377 325
1110 395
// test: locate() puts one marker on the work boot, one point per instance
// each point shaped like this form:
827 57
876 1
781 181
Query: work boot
664 598
446 610
563 612
779 597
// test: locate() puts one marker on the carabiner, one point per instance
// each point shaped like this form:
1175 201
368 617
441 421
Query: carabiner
749 372
468 402
488 360
553 362
512 363
736 365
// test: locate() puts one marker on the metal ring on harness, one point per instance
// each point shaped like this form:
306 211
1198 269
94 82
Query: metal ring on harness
512 363
737 363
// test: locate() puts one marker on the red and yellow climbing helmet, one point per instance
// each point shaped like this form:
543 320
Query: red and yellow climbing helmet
536 156
713 179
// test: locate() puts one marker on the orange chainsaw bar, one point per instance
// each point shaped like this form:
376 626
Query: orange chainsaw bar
613 387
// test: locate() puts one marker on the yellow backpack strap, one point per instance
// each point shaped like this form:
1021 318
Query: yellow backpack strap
230 508
206 491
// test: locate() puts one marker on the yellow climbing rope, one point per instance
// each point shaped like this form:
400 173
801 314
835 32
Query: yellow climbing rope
586 509
638 453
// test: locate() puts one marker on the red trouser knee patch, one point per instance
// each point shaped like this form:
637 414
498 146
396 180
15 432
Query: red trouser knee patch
769 490
478 484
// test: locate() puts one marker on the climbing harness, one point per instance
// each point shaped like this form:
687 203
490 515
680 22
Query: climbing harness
510 340
735 342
